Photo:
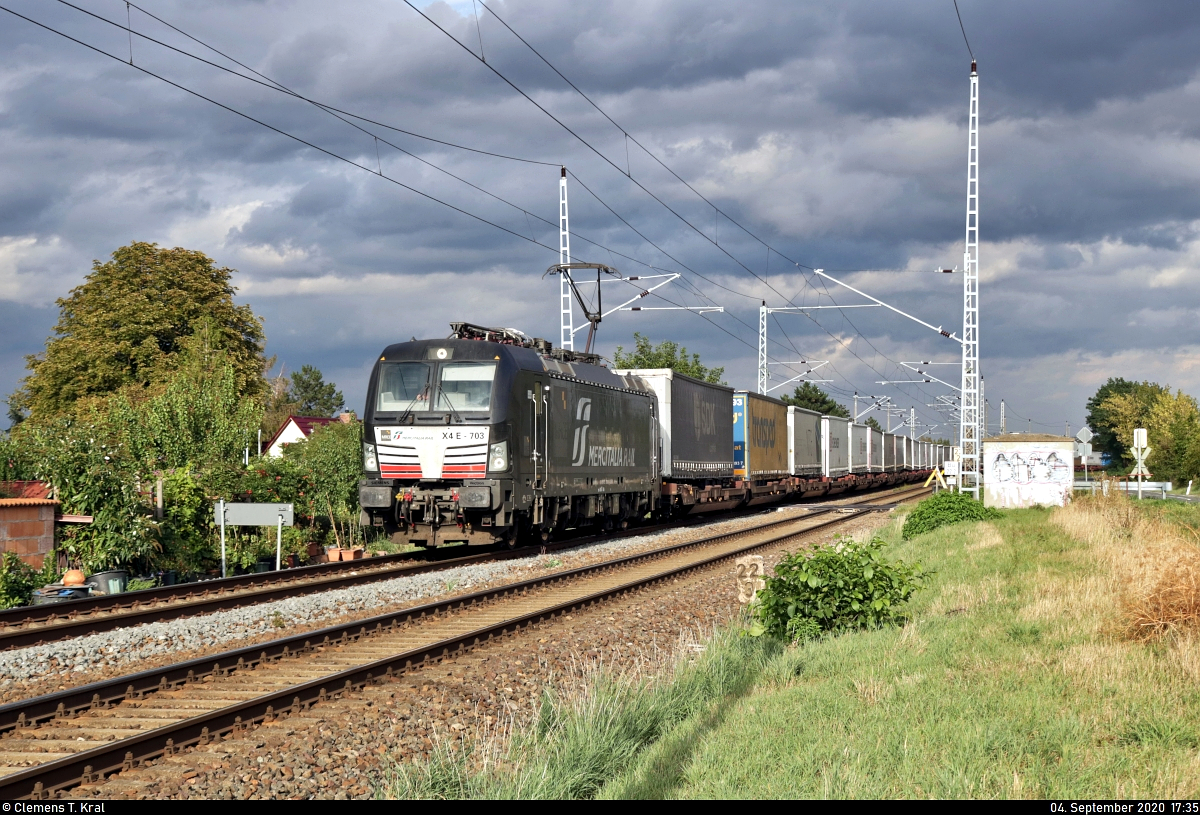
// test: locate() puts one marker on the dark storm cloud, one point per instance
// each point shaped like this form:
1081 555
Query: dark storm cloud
833 131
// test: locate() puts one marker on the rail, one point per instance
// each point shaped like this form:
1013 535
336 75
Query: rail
378 647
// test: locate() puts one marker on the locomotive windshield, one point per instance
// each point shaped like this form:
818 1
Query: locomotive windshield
403 386
466 386
409 386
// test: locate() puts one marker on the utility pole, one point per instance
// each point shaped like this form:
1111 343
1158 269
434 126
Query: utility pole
912 422
855 414
972 461
1066 428
566 338
1003 422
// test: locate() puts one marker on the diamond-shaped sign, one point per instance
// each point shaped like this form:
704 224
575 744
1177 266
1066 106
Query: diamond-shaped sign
1085 434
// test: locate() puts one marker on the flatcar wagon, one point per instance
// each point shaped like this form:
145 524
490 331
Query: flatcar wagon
760 446
804 442
860 445
875 457
695 422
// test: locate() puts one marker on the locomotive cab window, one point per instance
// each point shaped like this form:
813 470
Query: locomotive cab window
403 386
466 386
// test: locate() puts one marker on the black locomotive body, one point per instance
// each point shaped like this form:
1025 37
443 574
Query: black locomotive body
486 437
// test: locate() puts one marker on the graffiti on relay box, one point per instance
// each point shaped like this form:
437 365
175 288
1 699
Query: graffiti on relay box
1028 477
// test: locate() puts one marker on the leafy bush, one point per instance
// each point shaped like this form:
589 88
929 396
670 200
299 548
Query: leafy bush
943 509
16 581
841 586
186 530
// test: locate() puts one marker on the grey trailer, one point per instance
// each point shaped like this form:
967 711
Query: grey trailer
875 457
804 441
889 452
910 456
835 446
695 424
860 447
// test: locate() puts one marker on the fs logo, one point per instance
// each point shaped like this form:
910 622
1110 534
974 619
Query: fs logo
583 413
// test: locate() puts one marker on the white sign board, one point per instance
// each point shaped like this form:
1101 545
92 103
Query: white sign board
950 468
253 514
1139 438
1085 434
276 515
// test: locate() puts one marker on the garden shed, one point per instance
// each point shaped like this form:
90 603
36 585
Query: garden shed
27 521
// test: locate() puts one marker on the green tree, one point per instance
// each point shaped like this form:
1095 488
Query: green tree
872 423
1103 423
1172 423
666 354
312 395
199 418
128 323
1116 409
810 397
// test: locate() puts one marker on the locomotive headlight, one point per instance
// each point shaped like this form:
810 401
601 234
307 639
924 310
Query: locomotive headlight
498 457
370 462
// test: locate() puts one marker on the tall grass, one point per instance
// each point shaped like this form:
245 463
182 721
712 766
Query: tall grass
1153 557
590 731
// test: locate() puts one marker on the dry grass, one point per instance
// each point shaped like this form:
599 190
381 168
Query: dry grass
987 537
1154 565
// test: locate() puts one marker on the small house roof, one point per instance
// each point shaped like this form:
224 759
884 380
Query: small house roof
24 489
305 424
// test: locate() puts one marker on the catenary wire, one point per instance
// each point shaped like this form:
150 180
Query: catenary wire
603 157
323 150
278 86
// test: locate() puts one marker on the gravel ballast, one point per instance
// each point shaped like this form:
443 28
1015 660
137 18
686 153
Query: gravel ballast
46 668
341 749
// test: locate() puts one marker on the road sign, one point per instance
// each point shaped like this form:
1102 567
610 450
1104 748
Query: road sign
1139 437
1085 434
1083 450
1140 467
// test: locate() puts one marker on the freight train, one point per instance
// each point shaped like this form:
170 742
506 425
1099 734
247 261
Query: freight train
490 436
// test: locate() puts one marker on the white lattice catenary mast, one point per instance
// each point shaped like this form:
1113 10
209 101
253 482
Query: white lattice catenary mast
969 429
566 333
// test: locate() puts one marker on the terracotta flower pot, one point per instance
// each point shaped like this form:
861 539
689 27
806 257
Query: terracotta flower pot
73 577
355 554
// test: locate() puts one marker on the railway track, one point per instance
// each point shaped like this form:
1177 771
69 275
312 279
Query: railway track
51 743
34 625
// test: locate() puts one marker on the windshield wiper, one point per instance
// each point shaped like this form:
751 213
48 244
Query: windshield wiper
441 394
408 410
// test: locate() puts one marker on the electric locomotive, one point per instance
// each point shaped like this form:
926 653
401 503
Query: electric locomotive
490 436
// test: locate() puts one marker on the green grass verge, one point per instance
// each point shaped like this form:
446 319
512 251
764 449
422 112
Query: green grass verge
1005 684
591 734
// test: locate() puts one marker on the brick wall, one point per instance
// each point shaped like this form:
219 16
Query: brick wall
27 528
